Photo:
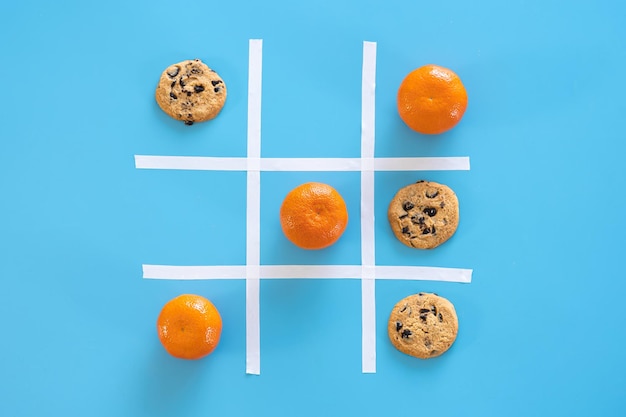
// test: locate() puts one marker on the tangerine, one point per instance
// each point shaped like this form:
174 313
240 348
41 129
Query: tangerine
313 215
189 326
431 99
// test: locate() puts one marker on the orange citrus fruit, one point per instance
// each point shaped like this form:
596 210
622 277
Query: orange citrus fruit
431 99
189 326
313 215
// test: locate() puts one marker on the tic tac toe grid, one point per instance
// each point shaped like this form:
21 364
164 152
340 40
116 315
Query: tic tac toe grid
368 272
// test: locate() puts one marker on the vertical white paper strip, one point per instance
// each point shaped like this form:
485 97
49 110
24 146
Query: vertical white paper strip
368 255
253 211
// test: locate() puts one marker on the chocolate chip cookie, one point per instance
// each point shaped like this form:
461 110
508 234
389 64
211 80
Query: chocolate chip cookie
191 91
423 325
424 215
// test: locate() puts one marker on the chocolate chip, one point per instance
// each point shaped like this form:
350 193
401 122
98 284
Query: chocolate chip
404 216
188 93
442 205
198 88
433 230
173 96
181 82
433 352
408 206
426 231
173 84
398 326
406 231
427 343
433 309
423 316
417 182
188 122
431 211
173 72
217 90
440 317
431 194
406 333
417 220
196 71
420 294
190 115
424 310
403 309
214 82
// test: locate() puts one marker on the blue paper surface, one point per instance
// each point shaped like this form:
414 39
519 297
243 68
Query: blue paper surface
541 324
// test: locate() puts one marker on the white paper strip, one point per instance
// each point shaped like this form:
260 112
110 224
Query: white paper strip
201 163
253 327
195 163
193 272
253 210
368 255
458 163
413 273
311 271
368 323
310 164
424 273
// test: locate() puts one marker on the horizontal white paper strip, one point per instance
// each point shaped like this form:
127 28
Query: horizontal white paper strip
456 163
424 273
193 163
205 163
415 273
193 272
310 271
310 164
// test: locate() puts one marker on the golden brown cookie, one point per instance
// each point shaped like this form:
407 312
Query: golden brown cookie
191 91
424 215
423 325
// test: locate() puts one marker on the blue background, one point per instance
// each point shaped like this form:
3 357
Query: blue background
542 209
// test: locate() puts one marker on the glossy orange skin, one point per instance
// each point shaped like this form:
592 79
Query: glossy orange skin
189 327
431 99
313 216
